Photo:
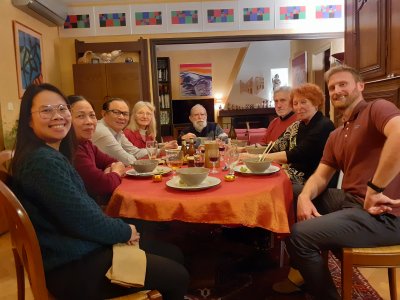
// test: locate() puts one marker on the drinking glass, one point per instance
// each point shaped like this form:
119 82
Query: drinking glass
174 159
199 158
213 155
221 147
231 156
152 148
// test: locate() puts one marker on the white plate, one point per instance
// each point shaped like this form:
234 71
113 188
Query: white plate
245 170
206 184
158 170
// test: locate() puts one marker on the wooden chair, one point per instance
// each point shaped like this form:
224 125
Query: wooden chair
377 257
5 157
26 251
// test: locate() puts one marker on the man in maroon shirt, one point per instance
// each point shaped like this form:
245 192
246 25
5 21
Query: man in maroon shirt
286 115
365 212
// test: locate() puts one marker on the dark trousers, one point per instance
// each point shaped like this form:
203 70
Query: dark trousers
85 278
344 224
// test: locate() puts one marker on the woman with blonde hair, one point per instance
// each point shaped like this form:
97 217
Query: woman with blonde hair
142 126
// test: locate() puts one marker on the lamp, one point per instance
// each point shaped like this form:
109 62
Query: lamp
219 104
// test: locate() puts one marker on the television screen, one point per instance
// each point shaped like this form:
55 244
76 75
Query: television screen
181 109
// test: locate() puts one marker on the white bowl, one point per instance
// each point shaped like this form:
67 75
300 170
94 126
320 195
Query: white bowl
255 150
239 143
193 176
257 166
145 165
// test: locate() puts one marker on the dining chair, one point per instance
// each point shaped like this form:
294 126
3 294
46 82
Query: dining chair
5 157
377 257
26 251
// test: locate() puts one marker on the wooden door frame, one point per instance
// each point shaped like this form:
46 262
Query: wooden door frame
221 39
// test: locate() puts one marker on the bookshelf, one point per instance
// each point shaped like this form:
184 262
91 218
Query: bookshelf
164 95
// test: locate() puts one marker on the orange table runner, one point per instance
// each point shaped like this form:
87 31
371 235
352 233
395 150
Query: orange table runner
253 201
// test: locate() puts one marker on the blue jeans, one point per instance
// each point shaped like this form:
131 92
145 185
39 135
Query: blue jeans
344 224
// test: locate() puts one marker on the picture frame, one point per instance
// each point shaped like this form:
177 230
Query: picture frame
28 56
299 69
95 60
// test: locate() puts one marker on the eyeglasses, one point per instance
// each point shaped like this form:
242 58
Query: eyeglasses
143 114
118 113
83 116
47 111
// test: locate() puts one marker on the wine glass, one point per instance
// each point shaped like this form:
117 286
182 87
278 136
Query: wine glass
221 147
231 156
174 159
152 148
213 155
199 158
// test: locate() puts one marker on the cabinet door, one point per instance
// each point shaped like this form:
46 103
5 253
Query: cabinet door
123 81
394 34
388 89
371 35
90 82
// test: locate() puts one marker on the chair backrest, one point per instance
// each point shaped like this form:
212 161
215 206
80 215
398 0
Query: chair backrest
24 241
5 158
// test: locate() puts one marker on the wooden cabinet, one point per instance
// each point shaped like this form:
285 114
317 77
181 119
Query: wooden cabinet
163 101
372 37
372 40
98 82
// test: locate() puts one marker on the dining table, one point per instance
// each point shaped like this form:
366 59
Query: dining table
249 200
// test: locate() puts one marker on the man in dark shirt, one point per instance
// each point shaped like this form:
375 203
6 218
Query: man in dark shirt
200 127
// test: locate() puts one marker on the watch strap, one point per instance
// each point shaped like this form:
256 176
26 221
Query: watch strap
375 187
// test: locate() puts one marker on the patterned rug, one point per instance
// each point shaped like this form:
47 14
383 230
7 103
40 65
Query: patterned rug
242 288
362 290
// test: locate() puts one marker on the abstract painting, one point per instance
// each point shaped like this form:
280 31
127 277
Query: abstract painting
148 18
28 56
113 20
184 17
195 79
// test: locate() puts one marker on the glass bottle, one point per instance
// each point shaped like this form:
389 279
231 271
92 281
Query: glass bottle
191 150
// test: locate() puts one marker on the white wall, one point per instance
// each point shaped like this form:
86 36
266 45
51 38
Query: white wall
260 58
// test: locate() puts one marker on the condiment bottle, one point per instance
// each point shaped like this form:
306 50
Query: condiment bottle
191 151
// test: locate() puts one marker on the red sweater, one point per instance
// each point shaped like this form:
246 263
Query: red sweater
136 138
277 127
90 163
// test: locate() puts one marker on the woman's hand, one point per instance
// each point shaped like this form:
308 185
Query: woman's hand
135 236
118 167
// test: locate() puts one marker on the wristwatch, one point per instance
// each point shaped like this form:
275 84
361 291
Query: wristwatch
374 187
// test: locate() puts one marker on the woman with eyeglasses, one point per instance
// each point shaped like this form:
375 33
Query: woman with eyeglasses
74 234
100 173
142 127
109 136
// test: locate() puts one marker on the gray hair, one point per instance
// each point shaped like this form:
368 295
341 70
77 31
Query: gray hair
197 106
284 88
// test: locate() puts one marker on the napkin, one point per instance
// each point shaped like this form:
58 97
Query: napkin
128 265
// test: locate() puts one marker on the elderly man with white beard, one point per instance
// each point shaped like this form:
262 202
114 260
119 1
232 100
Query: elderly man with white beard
200 127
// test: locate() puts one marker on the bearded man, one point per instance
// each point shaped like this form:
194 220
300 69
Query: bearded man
200 127
366 211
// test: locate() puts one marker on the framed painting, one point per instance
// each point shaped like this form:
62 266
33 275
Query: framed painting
299 69
195 79
28 56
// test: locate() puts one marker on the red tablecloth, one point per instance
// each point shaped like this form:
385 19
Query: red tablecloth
253 201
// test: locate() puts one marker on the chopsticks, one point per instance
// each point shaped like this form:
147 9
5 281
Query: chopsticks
267 150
